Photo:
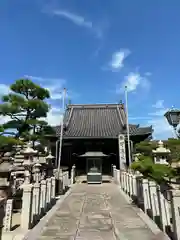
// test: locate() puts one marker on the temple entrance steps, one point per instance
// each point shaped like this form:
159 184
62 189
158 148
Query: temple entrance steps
83 179
99 212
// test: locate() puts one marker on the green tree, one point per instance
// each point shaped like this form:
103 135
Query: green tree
25 105
174 146
157 172
145 147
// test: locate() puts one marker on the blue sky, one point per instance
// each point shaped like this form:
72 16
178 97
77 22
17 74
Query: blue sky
95 48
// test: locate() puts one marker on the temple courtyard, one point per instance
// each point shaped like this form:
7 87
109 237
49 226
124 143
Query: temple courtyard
95 212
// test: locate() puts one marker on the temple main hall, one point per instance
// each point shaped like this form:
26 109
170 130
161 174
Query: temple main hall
97 130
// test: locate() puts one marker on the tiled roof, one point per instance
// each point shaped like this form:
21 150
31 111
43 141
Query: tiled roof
97 121
136 130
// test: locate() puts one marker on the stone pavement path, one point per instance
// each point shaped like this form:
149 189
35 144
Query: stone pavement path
96 212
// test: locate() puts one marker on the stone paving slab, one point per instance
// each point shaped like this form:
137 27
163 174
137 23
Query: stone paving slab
97 212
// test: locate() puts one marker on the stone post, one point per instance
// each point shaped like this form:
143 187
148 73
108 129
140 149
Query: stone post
35 203
48 193
126 181
123 180
53 190
154 200
66 179
130 184
118 176
146 196
164 210
134 186
60 180
58 175
114 173
63 181
43 191
26 207
8 215
140 195
112 170
73 174
175 209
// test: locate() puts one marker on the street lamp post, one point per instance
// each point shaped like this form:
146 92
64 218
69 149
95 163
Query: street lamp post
127 125
173 118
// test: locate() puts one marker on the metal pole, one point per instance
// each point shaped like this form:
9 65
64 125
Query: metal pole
61 132
127 125
176 136
56 164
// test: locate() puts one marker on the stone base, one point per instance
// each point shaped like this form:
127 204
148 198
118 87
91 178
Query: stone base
94 178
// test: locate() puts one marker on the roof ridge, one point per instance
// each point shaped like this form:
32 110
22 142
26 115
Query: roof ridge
104 105
69 118
119 114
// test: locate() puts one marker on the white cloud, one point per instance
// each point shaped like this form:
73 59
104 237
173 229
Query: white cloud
148 74
138 118
156 118
159 104
34 78
118 58
162 130
54 116
133 81
159 112
78 20
4 89
158 109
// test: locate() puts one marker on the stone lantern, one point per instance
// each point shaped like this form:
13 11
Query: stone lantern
49 160
37 172
19 157
17 173
42 161
136 156
161 154
29 154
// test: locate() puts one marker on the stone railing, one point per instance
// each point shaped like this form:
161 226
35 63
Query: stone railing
37 199
160 203
63 180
